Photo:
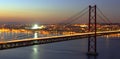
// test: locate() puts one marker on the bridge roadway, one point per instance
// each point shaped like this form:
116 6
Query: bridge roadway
44 40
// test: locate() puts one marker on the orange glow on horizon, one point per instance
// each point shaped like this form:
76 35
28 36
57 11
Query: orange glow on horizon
32 16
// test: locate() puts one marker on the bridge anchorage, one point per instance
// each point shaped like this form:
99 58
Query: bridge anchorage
92 27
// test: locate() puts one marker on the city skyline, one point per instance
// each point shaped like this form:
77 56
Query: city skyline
52 11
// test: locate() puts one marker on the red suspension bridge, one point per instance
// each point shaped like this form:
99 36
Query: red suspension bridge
91 34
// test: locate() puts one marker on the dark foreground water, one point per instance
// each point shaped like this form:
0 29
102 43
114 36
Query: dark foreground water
108 48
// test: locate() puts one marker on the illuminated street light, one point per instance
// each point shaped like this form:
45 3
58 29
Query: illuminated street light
37 27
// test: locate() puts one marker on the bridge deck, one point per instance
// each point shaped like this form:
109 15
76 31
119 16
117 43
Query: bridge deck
32 41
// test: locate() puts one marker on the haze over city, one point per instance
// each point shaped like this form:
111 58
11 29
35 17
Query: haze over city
52 11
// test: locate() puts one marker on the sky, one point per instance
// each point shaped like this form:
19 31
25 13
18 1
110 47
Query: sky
53 11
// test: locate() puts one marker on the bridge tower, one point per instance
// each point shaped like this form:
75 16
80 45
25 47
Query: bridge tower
92 27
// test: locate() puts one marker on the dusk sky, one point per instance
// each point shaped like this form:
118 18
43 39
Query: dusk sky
53 11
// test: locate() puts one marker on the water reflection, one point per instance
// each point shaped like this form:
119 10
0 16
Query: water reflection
91 57
35 52
35 35
35 49
112 36
72 49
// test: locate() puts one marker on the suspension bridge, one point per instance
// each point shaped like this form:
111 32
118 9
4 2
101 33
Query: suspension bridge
91 33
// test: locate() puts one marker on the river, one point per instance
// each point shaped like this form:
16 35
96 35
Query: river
107 46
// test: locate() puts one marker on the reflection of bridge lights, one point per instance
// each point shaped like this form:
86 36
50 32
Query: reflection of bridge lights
35 50
35 35
107 36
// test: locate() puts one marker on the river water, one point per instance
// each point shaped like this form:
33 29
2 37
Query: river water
107 46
